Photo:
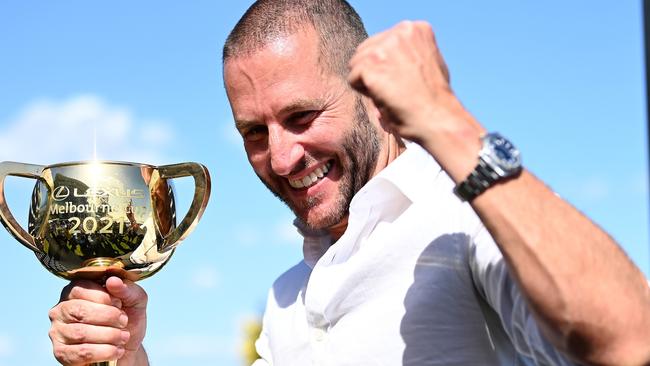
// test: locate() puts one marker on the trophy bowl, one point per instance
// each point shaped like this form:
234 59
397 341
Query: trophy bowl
94 219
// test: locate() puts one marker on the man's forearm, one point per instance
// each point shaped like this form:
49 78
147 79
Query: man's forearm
590 298
587 295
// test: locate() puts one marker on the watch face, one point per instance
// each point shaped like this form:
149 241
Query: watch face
502 154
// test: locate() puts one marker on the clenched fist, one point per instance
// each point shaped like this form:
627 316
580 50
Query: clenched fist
403 72
92 323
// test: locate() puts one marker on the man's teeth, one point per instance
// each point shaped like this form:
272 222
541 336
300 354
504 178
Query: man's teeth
311 179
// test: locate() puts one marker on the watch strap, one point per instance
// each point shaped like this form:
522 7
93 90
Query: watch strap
477 182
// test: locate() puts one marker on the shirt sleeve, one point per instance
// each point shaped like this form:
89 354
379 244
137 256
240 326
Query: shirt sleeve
494 283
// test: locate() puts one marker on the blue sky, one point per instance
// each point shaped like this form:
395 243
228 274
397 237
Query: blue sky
564 80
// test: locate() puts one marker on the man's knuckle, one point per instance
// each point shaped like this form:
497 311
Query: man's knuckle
53 333
378 55
60 354
423 25
77 312
77 334
409 28
84 353
53 314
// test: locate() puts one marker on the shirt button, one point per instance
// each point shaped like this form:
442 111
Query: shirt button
318 334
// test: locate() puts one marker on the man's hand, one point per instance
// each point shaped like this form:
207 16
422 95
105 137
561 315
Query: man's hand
403 72
92 323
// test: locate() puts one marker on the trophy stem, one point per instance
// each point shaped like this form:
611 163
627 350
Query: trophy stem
104 363
102 262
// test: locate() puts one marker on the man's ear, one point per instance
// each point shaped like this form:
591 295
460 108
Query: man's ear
380 119
374 114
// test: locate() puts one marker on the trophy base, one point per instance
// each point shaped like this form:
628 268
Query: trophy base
102 262
99 269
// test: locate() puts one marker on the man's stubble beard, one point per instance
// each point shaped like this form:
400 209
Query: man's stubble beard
361 146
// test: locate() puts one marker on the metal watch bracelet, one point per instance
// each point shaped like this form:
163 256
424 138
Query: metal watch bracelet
477 182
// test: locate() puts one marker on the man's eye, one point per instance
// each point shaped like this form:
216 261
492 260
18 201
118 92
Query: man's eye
302 117
254 133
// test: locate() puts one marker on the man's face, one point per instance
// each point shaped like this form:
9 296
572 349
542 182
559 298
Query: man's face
307 135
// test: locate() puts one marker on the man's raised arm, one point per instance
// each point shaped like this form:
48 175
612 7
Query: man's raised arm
588 297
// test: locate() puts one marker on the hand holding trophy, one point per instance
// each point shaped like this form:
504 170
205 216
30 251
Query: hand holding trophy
91 220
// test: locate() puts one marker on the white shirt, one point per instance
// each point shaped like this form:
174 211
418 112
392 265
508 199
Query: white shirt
414 280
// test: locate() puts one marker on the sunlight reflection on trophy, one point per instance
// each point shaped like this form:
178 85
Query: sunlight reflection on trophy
91 220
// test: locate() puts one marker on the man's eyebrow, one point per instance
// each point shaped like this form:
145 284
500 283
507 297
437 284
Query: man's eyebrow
301 105
242 125
293 106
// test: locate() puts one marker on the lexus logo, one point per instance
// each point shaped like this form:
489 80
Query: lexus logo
60 193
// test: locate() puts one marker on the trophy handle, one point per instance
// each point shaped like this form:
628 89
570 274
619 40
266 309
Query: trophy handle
199 202
8 168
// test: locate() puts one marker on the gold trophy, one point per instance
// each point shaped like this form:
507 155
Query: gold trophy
91 220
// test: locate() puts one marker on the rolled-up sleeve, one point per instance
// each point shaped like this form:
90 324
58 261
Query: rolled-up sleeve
493 281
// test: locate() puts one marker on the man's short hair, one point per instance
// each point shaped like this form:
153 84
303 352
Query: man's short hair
337 24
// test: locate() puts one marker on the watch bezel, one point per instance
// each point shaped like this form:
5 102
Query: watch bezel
498 160
504 166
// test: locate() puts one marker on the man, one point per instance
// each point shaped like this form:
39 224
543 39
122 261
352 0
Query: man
416 251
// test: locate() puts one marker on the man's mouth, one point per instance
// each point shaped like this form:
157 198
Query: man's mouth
312 178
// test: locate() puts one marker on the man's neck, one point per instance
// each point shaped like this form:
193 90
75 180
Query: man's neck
337 230
393 148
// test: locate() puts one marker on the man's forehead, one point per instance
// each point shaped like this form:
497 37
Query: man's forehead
286 62
282 65
281 43
282 77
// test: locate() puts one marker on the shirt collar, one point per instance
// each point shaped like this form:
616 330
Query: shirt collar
315 242
412 172
410 175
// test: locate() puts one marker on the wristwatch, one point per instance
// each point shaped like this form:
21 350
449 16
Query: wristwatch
498 160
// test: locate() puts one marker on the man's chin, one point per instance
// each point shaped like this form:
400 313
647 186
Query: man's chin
321 220
315 212
311 221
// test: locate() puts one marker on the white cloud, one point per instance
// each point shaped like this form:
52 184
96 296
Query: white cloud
156 133
205 278
6 345
53 131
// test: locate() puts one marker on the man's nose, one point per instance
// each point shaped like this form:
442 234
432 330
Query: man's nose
286 151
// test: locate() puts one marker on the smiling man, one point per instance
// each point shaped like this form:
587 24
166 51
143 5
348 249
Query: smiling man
425 240
307 133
